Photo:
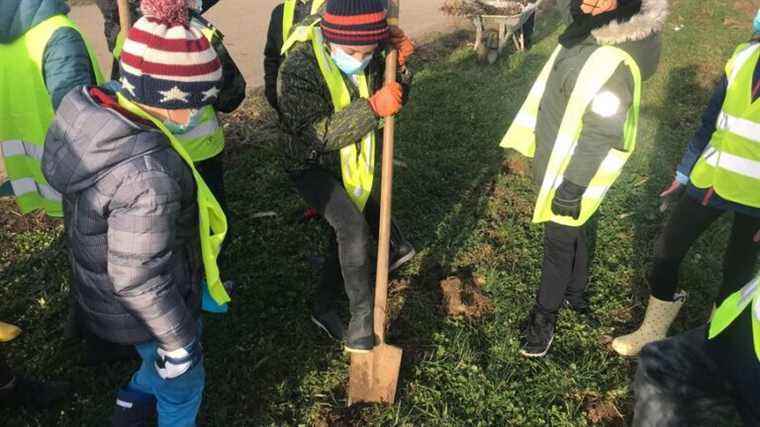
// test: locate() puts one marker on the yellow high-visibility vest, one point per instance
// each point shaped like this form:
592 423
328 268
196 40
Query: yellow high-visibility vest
731 162
212 222
289 15
357 160
26 113
746 299
521 136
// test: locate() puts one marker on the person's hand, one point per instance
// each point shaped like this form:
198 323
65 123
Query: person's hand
757 237
671 195
386 102
403 45
175 363
567 200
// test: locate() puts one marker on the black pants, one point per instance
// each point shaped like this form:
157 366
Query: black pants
6 375
565 267
349 251
681 382
688 221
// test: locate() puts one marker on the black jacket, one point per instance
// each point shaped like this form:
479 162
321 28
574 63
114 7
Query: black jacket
131 221
272 51
640 37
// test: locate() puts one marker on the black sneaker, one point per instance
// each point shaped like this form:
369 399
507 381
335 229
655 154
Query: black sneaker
360 337
31 393
330 323
400 254
539 335
584 312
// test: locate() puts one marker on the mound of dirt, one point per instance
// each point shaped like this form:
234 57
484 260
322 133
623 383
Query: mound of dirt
464 299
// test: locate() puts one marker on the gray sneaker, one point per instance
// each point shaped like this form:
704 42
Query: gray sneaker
330 323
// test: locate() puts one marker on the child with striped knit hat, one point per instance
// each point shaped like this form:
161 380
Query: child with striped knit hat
139 216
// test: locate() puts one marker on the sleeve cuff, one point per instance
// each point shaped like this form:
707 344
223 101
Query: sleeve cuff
682 178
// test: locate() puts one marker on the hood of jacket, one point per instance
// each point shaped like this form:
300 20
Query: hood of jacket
650 20
87 140
18 16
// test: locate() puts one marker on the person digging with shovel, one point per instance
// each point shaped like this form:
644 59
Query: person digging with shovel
579 123
331 97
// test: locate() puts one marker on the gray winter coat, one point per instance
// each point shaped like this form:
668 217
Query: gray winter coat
641 38
65 62
131 221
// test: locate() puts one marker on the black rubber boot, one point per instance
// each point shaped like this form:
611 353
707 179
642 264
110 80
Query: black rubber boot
28 392
538 334
133 409
324 313
359 336
402 250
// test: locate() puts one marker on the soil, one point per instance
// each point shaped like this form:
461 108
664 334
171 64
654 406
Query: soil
464 298
602 412
516 165
13 222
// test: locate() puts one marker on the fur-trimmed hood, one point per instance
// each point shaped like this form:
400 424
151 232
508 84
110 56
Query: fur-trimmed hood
650 20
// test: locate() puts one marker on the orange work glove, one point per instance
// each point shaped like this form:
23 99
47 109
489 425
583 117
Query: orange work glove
386 102
403 45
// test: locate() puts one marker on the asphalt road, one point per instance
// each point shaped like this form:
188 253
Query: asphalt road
245 22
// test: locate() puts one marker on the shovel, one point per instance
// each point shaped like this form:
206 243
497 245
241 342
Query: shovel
373 376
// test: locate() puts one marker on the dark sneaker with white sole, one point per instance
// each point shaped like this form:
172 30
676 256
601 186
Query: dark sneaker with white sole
400 254
330 323
584 312
538 334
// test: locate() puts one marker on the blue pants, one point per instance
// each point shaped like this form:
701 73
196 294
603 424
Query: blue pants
178 400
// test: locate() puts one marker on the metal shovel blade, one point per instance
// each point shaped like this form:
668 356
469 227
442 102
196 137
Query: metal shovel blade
374 376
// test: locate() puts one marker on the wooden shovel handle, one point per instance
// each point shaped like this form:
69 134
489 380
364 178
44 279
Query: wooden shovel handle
124 15
386 191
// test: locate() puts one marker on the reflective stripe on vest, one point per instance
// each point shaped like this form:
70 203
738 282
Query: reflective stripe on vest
521 135
357 160
26 113
747 298
206 140
731 162
289 15
212 221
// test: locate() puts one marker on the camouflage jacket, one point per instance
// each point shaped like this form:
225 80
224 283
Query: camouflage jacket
316 131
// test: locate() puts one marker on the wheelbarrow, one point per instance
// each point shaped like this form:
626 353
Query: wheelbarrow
493 32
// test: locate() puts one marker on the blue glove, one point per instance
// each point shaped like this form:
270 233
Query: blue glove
756 23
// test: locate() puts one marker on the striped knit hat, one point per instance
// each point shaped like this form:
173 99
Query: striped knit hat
168 63
355 22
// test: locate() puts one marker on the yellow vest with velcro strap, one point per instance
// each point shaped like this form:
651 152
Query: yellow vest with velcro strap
206 140
26 113
748 298
289 15
731 162
357 160
521 135
212 222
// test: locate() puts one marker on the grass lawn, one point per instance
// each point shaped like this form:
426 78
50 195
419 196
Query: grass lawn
267 364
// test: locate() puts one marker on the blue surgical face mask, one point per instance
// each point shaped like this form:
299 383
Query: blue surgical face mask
180 129
348 64
756 23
